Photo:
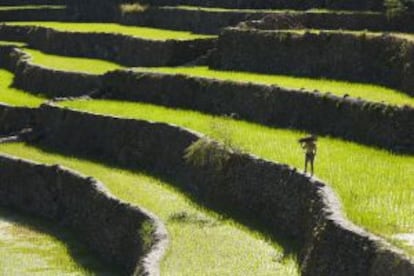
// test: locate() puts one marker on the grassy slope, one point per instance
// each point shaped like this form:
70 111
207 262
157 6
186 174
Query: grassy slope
141 32
31 7
368 92
14 96
203 243
374 185
365 91
92 66
33 240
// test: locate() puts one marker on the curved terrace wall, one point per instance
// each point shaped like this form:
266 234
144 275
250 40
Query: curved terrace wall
45 81
376 124
283 199
123 49
108 226
364 57
13 119
334 21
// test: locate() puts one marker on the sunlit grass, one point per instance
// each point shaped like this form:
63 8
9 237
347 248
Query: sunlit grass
201 244
13 96
32 7
141 32
26 249
367 92
375 186
277 11
73 64
12 43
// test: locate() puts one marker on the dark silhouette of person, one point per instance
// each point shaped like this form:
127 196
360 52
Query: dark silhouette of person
310 148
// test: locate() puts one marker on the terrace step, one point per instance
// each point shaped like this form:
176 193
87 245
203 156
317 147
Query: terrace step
34 13
174 48
200 239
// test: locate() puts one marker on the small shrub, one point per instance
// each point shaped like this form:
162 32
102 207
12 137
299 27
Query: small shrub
133 7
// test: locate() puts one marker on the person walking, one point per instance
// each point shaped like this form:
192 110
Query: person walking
308 144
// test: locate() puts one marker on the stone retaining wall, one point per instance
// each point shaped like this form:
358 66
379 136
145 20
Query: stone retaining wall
126 50
284 200
45 14
13 119
378 124
334 21
197 21
111 228
45 81
363 57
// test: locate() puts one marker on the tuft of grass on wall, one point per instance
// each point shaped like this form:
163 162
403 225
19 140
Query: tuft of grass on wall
375 186
201 242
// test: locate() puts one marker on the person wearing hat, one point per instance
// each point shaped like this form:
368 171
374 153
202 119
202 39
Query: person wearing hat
309 145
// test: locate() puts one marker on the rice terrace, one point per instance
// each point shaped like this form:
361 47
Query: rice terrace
207 137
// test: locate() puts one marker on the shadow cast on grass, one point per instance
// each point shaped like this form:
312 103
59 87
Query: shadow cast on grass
78 251
290 247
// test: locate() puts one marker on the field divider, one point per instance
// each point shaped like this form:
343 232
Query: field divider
284 200
378 124
125 235
123 49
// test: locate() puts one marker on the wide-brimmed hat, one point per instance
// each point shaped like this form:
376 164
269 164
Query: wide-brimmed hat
310 138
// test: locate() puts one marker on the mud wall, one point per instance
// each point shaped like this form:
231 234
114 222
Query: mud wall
385 60
283 199
381 125
126 50
108 226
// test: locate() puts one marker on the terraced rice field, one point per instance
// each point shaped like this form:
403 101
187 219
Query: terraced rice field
200 240
112 28
13 96
375 186
367 92
34 240
382 182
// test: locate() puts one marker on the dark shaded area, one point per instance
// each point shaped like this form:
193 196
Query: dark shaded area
362 57
77 250
108 227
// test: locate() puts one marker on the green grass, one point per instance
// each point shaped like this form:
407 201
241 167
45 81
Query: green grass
376 187
202 242
141 32
32 246
367 92
230 10
73 64
12 43
13 96
32 7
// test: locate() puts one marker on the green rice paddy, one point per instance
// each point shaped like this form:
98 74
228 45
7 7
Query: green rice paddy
375 186
85 65
31 246
367 92
201 242
13 96
141 32
32 7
